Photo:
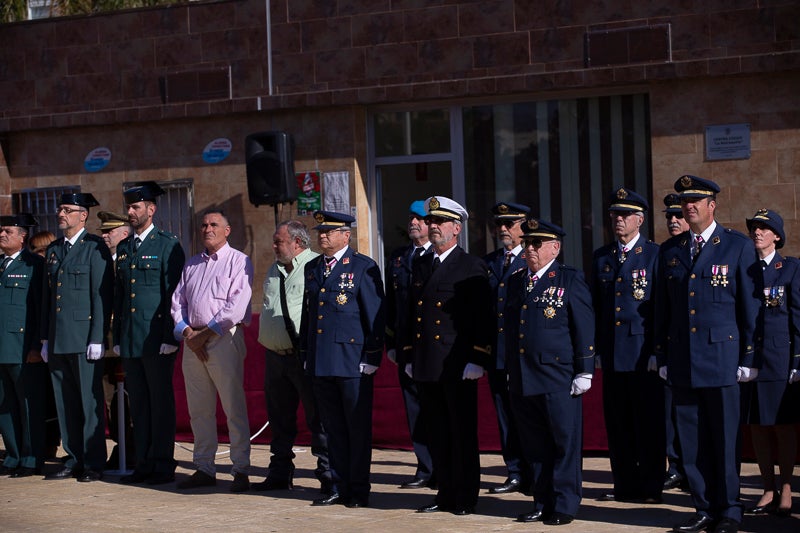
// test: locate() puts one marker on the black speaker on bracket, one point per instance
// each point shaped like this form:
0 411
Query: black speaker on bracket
269 157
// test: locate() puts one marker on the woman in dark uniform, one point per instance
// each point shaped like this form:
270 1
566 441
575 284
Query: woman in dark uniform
771 401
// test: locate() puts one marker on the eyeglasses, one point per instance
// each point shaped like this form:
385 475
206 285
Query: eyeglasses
500 222
676 215
537 243
436 220
67 210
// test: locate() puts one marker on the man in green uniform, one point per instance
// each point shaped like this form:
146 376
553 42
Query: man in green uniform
76 310
23 375
148 268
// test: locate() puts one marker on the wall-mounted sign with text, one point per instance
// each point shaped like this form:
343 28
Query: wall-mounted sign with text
727 141
217 150
97 159
308 194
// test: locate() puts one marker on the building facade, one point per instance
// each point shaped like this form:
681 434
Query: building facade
548 104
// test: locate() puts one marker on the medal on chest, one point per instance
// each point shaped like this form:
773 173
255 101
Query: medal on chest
719 275
639 283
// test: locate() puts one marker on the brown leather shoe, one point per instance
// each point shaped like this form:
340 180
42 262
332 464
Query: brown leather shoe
197 480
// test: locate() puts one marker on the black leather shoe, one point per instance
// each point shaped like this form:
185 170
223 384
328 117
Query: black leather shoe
432 508
160 478
696 523
196 480
558 519
416 483
727 525
763 509
6 471
273 484
64 473
607 497
23 471
672 481
333 499
533 516
356 503
510 485
90 475
241 483
135 477
462 511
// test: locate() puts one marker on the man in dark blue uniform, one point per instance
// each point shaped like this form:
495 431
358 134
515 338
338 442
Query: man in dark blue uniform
550 359
623 276
23 375
504 261
76 310
148 268
446 349
398 281
341 344
674 477
705 322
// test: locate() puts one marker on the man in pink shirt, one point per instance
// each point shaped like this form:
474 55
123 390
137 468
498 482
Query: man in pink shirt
210 306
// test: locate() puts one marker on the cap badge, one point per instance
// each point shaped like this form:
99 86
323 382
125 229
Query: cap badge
622 194
320 218
502 209
434 203
686 181
533 224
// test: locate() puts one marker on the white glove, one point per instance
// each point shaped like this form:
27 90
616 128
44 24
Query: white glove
408 371
794 375
652 364
94 352
472 371
580 384
167 349
391 355
662 372
367 369
745 374
44 351
116 349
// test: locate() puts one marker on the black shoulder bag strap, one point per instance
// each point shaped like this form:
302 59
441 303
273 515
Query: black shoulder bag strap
287 320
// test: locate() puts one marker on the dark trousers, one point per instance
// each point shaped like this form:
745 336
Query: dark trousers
509 436
22 401
674 463
551 431
707 420
450 409
345 406
633 405
285 386
416 426
78 388
148 381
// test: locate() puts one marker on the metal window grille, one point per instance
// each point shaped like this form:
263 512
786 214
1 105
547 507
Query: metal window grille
42 203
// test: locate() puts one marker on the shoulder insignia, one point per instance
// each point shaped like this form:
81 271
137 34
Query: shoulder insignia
778 265
552 274
715 240
637 250
346 261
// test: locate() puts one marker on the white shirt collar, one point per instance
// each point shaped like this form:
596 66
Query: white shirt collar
630 244
75 237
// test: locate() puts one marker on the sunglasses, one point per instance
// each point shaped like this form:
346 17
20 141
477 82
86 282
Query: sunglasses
537 243
676 215
499 223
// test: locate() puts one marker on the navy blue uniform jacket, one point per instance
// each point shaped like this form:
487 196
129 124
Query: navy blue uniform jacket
622 294
549 331
343 319
706 311
499 283
778 333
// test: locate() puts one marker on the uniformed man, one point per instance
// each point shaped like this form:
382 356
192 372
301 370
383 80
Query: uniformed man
550 359
23 375
398 282
446 349
623 277
114 228
705 322
148 268
76 311
674 476
504 261
341 344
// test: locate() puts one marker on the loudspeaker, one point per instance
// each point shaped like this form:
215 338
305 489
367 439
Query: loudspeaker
269 158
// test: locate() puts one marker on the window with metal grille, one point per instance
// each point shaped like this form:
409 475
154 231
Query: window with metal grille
42 204
175 212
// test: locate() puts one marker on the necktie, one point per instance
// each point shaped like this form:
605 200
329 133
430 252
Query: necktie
698 246
532 279
136 243
329 262
507 261
6 261
416 252
67 246
763 264
436 263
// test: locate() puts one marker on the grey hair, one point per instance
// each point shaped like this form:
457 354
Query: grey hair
297 230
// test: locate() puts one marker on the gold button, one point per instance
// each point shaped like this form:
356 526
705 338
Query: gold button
133 267
352 340
499 299
58 309
617 309
730 337
133 309
499 315
525 306
133 280
419 302
90 317
499 330
58 284
694 330
319 331
502 284
692 311
436 337
21 330
617 323
419 335
619 280
16 284
419 319
691 293
321 304
61 271
617 293
58 297
322 289
521 335
133 295
693 276
438 322
319 317
522 350
438 304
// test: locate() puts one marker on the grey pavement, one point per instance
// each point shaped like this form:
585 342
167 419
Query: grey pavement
33 504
